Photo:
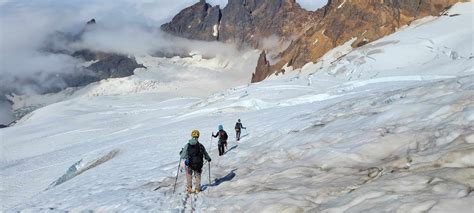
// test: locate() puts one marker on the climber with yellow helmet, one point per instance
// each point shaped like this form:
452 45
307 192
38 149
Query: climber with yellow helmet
193 154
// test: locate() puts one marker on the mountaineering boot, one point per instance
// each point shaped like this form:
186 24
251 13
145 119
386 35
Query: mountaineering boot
198 189
190 190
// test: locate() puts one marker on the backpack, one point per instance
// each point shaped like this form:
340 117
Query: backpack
223 135
238 126
195 157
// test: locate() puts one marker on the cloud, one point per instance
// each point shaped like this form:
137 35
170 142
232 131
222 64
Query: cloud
6 115
127 26
124 26
27 26
22 35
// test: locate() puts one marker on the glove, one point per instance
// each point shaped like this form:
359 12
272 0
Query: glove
209 160
186 162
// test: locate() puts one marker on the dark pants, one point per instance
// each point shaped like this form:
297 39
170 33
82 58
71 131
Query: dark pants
220 146
237 134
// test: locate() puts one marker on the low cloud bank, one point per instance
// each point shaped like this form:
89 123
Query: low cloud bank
36 46
35 51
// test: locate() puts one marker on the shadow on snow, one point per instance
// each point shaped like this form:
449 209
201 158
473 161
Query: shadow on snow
218 181
231 148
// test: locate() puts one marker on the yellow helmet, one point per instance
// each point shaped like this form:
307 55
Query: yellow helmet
195 134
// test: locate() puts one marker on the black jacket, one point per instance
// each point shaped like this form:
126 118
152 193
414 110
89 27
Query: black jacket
222 137
238 126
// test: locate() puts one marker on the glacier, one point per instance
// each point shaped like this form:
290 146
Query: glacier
387 127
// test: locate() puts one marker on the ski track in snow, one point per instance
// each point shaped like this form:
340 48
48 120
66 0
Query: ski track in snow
370 132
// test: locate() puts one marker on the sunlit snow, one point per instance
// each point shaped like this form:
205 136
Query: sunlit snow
387 127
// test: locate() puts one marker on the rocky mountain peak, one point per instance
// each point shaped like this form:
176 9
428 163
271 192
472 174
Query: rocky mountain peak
245 22
312 34
199 21
90 22
263 67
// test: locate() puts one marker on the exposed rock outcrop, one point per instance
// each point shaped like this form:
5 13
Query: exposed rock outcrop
241 21
312 33
92 21
108 65
200 21
364 20
263 68
249 21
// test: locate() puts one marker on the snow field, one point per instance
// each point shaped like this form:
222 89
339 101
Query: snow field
346 152
372 131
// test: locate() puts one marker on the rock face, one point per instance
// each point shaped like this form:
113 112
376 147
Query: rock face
200 21
92 21
247 22
263 68
107 65
365 20
241 21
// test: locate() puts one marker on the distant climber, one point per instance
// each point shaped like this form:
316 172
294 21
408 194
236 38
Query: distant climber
193 154
222 139
238 129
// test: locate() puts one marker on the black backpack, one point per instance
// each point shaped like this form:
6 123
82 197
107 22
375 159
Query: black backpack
195 156
223 135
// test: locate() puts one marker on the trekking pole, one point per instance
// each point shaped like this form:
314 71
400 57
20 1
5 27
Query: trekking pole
209 163
177 173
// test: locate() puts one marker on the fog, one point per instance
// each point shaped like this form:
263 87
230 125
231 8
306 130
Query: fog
28 28
124 26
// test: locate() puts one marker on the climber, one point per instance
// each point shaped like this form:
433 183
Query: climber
193 154
222 139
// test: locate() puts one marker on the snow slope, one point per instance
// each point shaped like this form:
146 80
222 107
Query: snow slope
387 127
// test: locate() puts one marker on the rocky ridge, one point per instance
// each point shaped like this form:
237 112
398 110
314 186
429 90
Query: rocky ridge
312 34
245 22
